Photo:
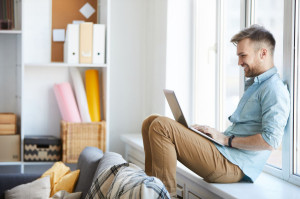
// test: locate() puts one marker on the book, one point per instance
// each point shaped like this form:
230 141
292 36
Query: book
8 118
8 129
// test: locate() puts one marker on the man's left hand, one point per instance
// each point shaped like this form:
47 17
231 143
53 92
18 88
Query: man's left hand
212 132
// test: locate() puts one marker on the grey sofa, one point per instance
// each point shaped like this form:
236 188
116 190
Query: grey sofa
91 162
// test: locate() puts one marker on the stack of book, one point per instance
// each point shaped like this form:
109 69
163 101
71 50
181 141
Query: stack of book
85 43
8 14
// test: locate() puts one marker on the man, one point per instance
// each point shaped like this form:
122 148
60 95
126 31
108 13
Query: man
257 124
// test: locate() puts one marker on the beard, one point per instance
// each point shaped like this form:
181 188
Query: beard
252 71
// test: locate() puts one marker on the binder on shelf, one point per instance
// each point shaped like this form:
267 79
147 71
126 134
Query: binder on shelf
86 43
98 44
71 45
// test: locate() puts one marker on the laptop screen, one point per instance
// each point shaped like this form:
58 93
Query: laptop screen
174 106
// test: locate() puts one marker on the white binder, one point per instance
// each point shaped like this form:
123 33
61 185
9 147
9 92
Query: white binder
99 44
71 45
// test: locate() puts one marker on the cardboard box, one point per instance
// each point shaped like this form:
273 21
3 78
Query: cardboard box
42 148
8 129
9 148
8 118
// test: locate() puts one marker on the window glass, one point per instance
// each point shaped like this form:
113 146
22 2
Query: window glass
265 15
297 103
297 111
205 63
231 75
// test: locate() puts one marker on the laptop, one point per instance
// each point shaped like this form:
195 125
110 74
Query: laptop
178 114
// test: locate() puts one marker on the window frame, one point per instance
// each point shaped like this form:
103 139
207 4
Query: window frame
290 48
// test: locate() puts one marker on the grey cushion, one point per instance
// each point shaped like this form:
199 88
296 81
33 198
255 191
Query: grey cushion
87 164
108 160
39 188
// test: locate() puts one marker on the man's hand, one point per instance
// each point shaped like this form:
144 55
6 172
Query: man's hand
253 142
212 132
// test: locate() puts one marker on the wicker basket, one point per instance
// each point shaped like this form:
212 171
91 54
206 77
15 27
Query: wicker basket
77 136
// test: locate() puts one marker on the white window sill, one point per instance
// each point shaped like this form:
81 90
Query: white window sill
266 186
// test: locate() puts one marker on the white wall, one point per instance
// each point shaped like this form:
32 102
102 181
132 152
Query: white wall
137 65
155 72
151 49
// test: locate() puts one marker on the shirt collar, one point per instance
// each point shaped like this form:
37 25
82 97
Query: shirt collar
266 75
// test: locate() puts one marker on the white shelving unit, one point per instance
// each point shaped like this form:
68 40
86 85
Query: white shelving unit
10 32
27 77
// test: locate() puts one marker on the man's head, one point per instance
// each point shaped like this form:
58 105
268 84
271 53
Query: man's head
255 49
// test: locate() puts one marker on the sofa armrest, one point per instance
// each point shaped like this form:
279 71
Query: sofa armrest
9 181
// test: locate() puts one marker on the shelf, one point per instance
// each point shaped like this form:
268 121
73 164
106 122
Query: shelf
61 64
10 163
10 31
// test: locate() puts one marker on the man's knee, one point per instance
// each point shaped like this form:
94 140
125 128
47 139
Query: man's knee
160 125
147 122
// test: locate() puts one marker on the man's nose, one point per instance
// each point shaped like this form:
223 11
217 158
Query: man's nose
240 62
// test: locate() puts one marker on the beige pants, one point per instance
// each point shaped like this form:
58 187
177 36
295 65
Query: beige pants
166 141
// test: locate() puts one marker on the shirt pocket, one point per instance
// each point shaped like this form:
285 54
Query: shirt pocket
252 111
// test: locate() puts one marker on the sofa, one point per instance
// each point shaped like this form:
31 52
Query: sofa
91 163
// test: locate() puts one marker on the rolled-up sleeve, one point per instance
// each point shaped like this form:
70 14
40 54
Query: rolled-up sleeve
275 102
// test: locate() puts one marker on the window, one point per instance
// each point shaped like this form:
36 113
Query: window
205 62
297 117
230 84
296 143
264 15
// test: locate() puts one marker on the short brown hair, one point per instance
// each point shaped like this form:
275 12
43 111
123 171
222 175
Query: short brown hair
257 34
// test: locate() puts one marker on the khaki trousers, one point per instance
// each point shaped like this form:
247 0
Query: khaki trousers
166 141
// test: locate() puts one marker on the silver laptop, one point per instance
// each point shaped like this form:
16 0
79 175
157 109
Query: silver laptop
178 114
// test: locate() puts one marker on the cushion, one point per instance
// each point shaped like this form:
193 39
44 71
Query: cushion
39 188
11 180
87 164
56 172
61 178
108 160
66 195
66 183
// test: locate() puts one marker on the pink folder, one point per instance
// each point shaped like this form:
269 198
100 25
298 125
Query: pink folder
66 102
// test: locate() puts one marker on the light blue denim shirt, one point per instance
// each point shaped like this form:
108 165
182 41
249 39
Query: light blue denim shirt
264 109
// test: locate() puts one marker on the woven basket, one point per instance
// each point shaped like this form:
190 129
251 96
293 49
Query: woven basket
77 136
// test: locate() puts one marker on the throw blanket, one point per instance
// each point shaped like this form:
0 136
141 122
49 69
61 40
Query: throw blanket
127 181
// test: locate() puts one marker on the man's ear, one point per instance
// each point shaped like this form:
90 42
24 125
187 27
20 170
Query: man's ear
263 53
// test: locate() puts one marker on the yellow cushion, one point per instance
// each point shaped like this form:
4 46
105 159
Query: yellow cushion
61 178
66 183
56 172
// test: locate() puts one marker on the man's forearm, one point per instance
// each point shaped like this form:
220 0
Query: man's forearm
253 142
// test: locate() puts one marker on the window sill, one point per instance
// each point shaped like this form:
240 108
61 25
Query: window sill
266 186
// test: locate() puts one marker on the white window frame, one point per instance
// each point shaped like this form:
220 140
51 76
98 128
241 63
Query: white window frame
289 63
